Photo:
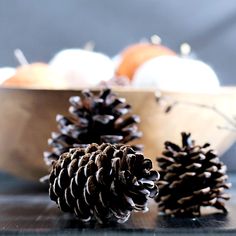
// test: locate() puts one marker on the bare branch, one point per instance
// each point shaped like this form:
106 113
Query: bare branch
171 103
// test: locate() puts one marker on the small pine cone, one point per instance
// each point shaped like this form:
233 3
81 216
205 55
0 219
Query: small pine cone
191 176
94 119
106 182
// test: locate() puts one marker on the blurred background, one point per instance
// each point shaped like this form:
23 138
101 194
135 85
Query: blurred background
42 28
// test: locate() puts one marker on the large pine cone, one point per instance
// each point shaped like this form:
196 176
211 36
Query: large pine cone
94 119
106 182
191 176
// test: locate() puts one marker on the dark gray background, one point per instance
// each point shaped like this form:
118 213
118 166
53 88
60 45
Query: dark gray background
42 28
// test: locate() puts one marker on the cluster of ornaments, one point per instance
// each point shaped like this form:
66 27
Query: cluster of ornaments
141 65
97 175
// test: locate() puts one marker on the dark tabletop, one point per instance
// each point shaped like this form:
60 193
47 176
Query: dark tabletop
25 208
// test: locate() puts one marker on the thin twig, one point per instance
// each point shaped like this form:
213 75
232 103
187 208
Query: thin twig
20 57
209 107
227 128
173 103
89 46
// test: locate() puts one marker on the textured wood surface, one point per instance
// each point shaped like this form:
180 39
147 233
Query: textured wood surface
26 208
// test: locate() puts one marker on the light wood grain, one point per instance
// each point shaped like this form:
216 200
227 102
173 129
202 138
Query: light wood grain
28 117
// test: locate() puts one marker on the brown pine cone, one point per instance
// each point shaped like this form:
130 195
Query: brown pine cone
191 176
106 182
94 119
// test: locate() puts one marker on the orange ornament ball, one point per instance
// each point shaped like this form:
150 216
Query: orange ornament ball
36 76
135 55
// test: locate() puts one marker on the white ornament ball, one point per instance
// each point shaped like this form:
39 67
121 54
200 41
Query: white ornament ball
6 73
82 68
172 73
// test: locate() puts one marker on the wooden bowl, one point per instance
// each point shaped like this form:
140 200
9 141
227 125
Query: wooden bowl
28 118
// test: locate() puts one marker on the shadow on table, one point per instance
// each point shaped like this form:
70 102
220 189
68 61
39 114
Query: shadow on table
215 220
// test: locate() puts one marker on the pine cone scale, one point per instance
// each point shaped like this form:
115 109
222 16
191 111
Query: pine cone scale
69 198
74 189
63 179
81 209
63 205
52 194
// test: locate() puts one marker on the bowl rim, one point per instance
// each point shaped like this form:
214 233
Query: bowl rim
221 90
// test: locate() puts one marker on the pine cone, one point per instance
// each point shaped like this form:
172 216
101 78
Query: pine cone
94 119
106 182
191 176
